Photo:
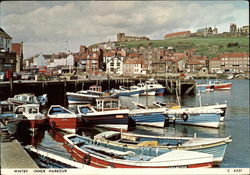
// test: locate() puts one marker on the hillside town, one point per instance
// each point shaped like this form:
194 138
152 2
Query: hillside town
114 59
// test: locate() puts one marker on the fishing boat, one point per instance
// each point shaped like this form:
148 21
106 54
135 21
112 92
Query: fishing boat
216 85
155 85
131 91
30 116
158 145
28 98
107 114
147 89
88 96
86 151
64 119
222 107
196 117
149 117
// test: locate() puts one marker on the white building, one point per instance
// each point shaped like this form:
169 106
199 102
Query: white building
5 41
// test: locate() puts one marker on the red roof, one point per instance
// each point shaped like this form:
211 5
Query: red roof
194 62
134 61
215 59
133 55
235 55
16 47
177 34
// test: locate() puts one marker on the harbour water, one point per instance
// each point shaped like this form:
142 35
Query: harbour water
236 123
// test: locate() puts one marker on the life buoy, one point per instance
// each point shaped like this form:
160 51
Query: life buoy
184 117
86 159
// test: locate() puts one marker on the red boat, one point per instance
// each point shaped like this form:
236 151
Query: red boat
216 85
64 119
86 151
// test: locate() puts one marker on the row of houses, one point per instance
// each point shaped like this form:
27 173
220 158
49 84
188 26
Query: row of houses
130 62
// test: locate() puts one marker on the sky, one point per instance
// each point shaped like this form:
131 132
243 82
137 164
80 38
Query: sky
56 26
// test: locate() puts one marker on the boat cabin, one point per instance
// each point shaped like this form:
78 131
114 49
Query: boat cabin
25 98
6 107
27 109
107 104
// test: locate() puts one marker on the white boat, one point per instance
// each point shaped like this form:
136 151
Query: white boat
155 85
28 98
222 107
88 96
124 91
147 89
30 116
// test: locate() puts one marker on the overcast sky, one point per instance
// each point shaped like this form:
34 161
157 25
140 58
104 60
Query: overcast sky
44 27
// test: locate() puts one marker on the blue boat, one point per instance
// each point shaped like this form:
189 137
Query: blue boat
195 116
158 145
149 117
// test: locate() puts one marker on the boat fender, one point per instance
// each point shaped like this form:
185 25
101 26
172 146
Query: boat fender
86 159
185 117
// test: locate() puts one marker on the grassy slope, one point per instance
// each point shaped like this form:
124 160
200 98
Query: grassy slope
211 46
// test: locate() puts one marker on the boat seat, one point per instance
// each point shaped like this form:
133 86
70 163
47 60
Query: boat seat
148 143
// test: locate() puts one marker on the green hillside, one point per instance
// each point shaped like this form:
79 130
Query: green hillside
210 46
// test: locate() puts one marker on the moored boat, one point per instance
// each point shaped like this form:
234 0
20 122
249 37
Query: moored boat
28 98
88 96
158 87
158 145
216 85
107 114
222 107
196 117
149 117
64 119
84 150
30 116
124 91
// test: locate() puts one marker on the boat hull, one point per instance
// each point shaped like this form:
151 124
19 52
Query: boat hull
160 91
158 145
70 125
83 155
205 120
111 121
155 119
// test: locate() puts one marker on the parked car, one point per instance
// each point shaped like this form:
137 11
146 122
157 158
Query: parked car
2 76
17 76
28 76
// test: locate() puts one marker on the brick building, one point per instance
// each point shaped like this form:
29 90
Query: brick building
121 37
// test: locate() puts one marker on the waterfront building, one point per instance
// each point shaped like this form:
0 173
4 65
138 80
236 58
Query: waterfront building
114 62
133 67
18 49
90 60
235 62
194 66
215 65
7 57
